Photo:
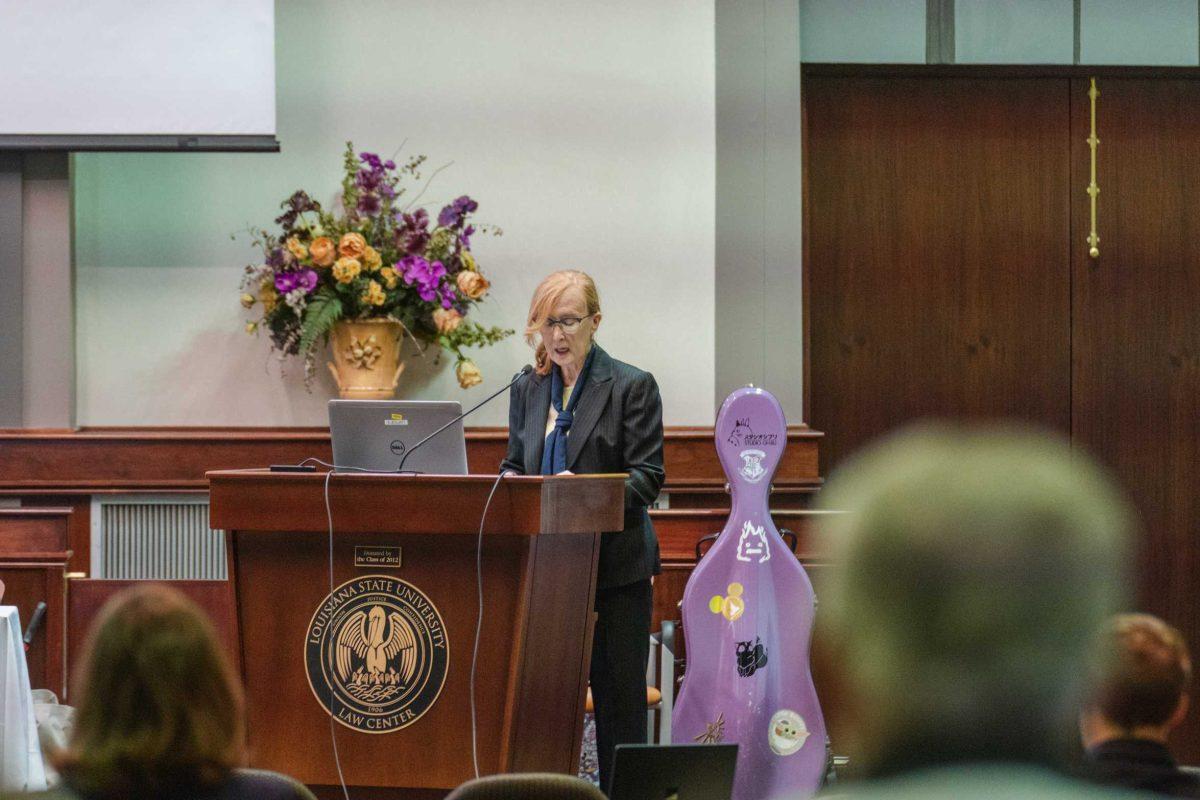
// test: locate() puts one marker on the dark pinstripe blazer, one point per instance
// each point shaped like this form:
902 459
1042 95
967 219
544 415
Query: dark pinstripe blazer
617 428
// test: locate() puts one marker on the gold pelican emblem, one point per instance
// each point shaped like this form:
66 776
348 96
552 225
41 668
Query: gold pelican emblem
362 639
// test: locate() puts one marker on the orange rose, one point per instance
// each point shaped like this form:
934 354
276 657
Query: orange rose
468 374
352 245
472 284
322 251
346 270
446 319
389 277
297 248
371 259
374 295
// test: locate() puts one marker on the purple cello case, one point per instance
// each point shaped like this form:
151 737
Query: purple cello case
747 622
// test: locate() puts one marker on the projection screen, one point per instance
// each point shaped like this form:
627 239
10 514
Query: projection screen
137 75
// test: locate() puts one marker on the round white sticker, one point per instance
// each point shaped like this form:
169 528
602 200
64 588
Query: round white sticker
787 732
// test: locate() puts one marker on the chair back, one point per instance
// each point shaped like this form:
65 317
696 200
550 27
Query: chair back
274 784
527 786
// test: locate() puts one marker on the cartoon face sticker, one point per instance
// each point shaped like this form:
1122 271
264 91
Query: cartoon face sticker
752 544
752 469
787 732
741 427
730 606
751 657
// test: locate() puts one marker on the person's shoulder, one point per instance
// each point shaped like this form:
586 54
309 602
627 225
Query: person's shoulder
627 373
521 385
261 784
60 793
996 781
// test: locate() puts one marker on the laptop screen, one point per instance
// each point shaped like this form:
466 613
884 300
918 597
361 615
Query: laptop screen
674 772
375 435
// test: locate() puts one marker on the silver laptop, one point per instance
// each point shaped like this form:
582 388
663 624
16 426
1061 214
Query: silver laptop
375 435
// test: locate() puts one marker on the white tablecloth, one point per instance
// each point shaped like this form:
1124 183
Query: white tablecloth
21 767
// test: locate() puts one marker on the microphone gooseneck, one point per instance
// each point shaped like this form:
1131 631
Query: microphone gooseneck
525 370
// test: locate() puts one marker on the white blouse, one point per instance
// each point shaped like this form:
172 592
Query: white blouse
553 415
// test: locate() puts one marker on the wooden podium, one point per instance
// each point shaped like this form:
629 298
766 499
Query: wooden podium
388 652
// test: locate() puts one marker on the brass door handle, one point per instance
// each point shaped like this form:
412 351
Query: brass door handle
1093 189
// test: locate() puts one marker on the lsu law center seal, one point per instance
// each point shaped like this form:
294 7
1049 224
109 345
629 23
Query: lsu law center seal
376 654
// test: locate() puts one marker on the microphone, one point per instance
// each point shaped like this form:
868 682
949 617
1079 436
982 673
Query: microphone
35 622
525 370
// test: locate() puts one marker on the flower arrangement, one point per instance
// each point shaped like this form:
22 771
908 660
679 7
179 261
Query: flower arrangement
376 258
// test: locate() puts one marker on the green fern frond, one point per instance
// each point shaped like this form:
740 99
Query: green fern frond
324 309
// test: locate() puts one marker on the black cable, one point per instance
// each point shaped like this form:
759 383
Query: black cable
478 615
525 370
337 759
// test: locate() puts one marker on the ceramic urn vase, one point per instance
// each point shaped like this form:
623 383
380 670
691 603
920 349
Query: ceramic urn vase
366 358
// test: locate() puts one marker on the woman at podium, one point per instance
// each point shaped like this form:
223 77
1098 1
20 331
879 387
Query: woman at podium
582 411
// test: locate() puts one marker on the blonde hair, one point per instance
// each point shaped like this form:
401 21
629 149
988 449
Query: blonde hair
545 297
160 708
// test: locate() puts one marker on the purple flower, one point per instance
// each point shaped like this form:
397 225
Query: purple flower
368 181
373 183
453 215
412 232
276 258
308 279
296 205
368 204
286 282
426 277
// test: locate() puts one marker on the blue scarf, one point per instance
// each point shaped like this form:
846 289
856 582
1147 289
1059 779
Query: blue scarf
554 453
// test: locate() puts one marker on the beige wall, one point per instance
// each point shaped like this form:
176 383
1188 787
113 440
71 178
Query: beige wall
585 130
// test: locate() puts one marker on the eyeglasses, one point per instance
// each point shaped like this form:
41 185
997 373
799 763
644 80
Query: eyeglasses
568 324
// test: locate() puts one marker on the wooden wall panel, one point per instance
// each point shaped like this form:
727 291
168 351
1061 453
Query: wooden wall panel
938 230
1136 331
33 560
60 463
86 597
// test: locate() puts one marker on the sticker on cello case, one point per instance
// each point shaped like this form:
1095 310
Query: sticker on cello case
752 544
751 657
787 732
714 732
731 606
752 469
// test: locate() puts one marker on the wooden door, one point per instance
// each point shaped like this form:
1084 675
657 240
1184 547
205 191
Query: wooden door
1136 330
947 222
937 218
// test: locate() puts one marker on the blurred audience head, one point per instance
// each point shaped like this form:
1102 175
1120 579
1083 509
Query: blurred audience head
1141 675
159 707
968 571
